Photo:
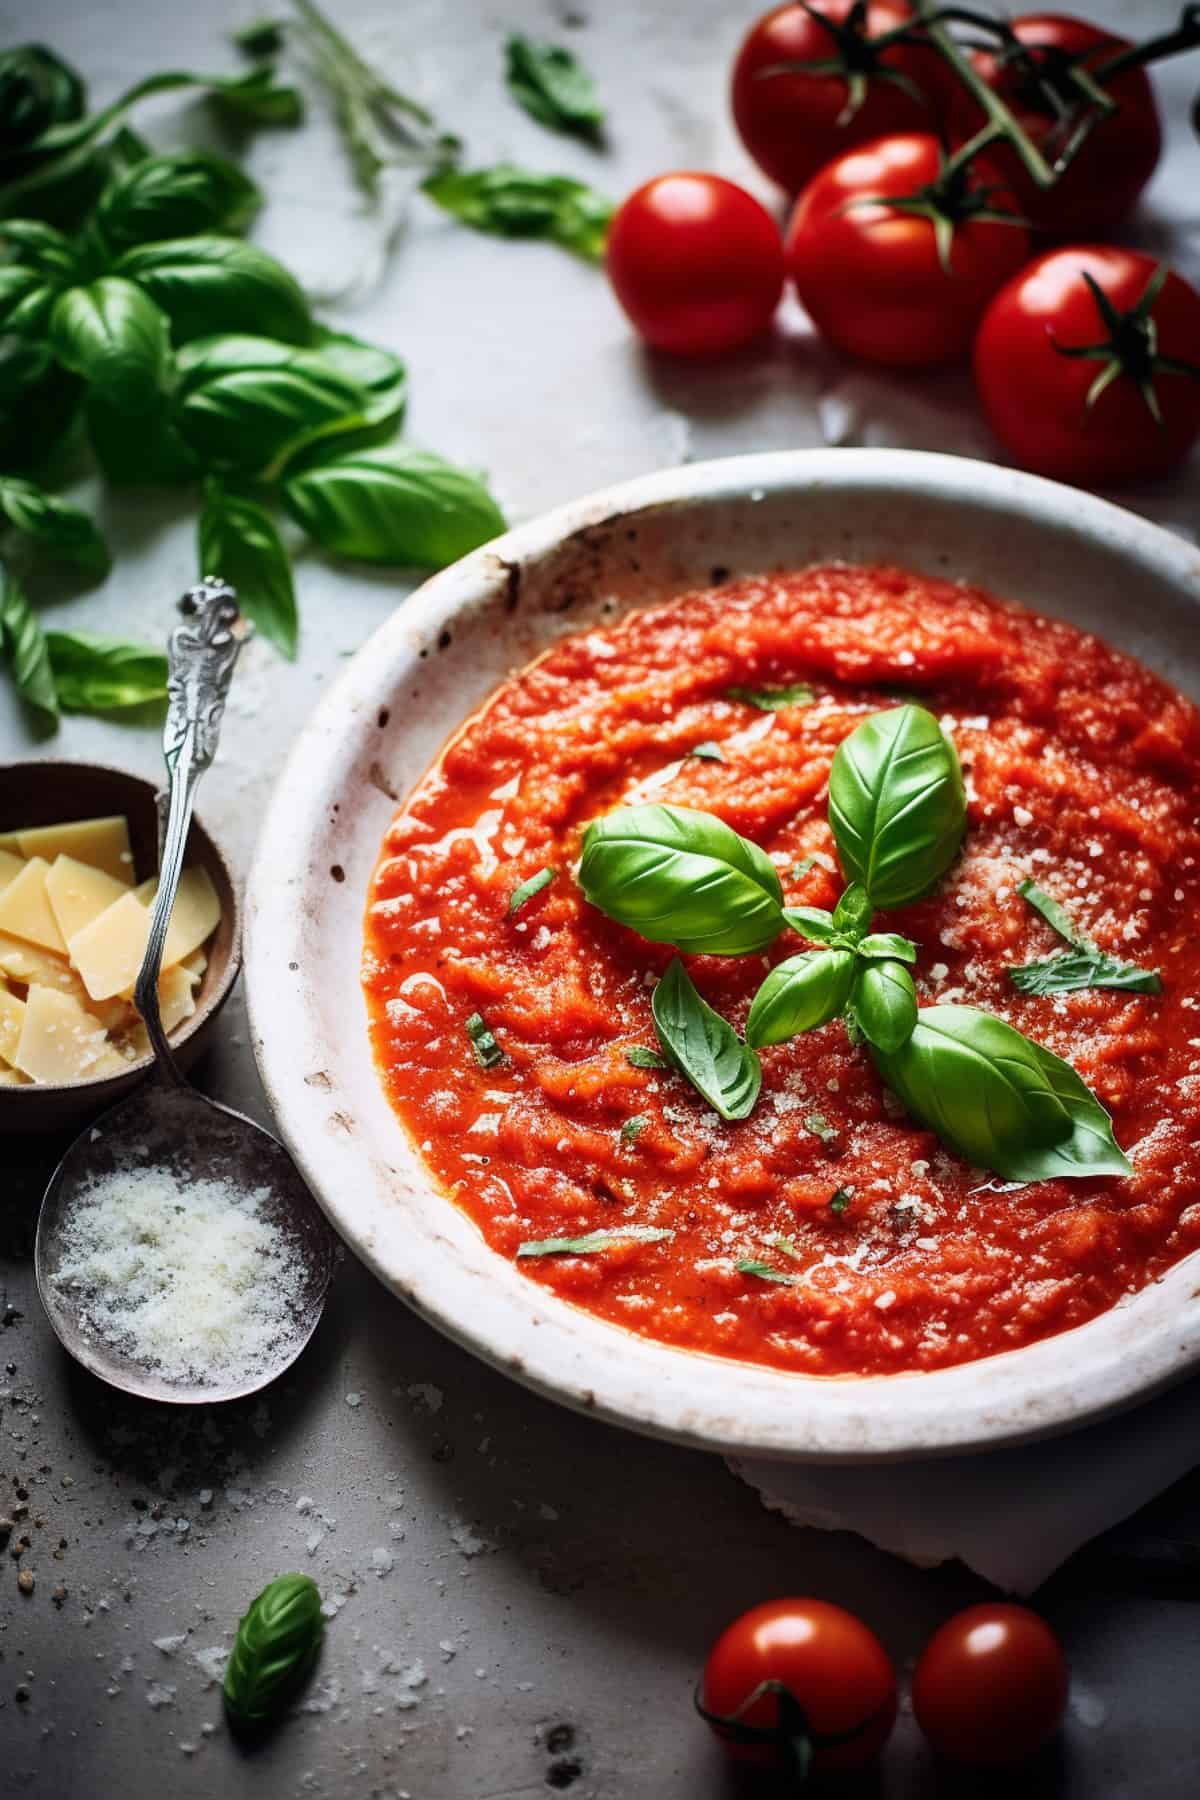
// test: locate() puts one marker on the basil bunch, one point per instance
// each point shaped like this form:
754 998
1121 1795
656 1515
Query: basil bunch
897 810
276 1645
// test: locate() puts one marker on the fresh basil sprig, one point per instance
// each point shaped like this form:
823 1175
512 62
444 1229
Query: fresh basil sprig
516 203
553 87
276 1646
897 807
1000 1100
1089 967
704 1047
683 877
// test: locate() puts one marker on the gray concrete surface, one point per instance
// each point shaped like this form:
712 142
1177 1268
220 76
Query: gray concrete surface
523 1597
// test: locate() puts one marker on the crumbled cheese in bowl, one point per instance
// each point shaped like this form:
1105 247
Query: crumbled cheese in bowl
197 1283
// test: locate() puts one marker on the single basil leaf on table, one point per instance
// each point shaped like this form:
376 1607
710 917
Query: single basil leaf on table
392 505
103 674
704 1047
800 994
1000 1100
174 196
553 86
884 1004
897 806
38 401
210 283
114 335
276 1645
26 301
854 911
37 90
53 523
248 404
887 944
594 1241
773 699
682 877
256 97
23 643
237 541
512 202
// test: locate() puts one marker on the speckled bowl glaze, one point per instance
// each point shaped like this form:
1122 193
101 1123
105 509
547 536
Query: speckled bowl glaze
1057 550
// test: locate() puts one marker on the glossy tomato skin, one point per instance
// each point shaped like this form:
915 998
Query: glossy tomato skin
871 278
1103 183
696 262
836 1669
991 1685
1036 399
792 124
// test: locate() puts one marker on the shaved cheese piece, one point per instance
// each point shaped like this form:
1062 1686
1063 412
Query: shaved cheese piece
108 953
60 1041
194 917
11 841
176 1001
103 843
195 964
25 963
146 890
25 910
10 867
79 893
12 1017
14 1078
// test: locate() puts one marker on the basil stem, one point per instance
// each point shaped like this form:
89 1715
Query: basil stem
1000 1100
799 995
276 1645
682 877
897 806
704 1047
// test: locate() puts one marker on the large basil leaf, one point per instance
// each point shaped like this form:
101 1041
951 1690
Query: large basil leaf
38 400
275 1648
884 1004
113 334
23 643
1000 1100
37 90
393 505
101 674
799 995
248 403
896 804
64 530
511 202
209 284
704 1047
237 541
26 300
175 196
682 877
553 87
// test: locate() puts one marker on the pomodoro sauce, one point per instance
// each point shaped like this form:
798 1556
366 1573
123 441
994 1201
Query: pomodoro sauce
1082 772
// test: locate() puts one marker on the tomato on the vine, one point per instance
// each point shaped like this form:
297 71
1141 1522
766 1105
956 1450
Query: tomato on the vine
792 121
991 1685
1082 364
1103 181
896 263
696 262
794 1682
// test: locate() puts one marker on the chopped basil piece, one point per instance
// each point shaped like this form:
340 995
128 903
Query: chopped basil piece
764 1272
633 1128
595 1240
1089 967
777 1241
801 868
553 87
487 1051
638 1057
773 699
840 1201
528 889
1054 914
820 1127
708 751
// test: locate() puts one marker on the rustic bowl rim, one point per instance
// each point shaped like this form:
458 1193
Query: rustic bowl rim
366 1173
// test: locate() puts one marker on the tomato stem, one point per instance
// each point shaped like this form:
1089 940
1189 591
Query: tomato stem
1002 122
1131 347
1186 36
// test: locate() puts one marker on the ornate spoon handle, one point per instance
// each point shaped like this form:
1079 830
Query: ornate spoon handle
201 653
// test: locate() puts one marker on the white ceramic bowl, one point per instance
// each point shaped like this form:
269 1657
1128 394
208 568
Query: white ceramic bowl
376 732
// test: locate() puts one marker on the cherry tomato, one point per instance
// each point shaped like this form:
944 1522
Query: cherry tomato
832 1666
1102 184
870 274
991 1685
696 262
793 122
1037 398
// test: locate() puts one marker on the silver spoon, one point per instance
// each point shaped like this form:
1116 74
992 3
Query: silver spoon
167 1126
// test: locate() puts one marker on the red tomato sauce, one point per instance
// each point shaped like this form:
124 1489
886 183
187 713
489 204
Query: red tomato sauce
1082 773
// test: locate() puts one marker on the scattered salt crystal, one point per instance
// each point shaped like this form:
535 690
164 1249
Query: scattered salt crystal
382 1561
431 1397
169 1645
211 1663
354 1399
448 1648
159 1694
468 1542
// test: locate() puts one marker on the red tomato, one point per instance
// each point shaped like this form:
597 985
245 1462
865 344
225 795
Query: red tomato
696 262
870 275
835 1669
1036 398
1103 182
991 1685
792 123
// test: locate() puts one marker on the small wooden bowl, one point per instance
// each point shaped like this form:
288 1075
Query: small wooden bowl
49 793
